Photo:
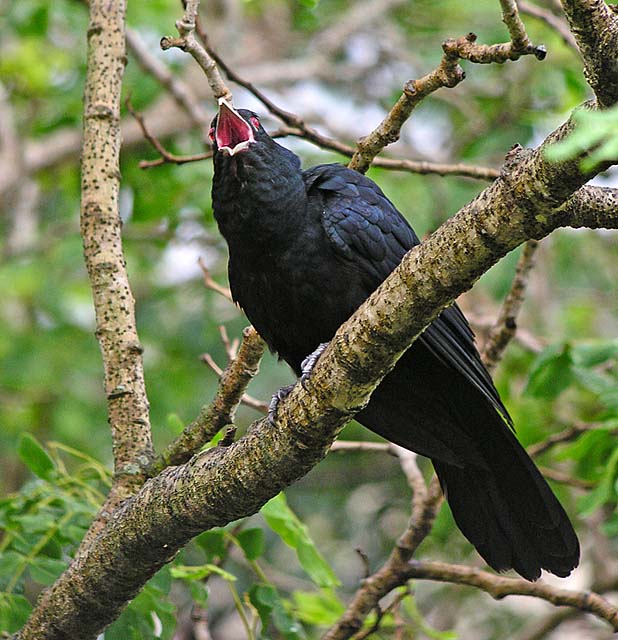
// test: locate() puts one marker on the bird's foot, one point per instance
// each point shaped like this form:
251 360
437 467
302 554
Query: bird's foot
308 363
306 368
275 400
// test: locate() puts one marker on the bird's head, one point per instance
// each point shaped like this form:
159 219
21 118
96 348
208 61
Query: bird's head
255 179
235 131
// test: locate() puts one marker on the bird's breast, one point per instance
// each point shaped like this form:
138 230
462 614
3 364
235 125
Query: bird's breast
296 299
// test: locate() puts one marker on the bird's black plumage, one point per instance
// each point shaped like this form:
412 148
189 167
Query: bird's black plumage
306 248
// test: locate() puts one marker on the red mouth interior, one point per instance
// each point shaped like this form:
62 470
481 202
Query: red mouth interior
232 130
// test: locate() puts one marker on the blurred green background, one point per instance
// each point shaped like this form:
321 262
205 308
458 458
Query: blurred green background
340 69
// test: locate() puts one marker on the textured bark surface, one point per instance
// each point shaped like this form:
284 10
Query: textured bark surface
530 199
101 232
113 300
224 484
595 27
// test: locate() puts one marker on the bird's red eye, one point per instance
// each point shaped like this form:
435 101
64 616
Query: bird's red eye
255 121
211 134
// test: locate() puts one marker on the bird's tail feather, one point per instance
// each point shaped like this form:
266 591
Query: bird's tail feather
509 513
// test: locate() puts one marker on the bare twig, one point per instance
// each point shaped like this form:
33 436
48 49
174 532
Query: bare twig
541 630
551 19
220 412
231 346
505 326
568 435
517 31
482 324
209 283
188 42
426 501
380 613
170 158
166 156
499 587
565 478
247 400
447 74
171 82
340 446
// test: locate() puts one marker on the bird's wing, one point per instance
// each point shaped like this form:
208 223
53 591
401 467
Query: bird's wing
361 223
365 228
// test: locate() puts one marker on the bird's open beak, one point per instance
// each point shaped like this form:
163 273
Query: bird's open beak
233 134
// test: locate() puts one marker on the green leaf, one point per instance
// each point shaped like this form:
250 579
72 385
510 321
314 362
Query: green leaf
263 597
551 373
10 563
605 490
322 609
161 581
271 609
199 593
590 445
14 611
174 423
284 522
283 621
252 542
45 570
39 522
213 544
147 617
34 456
190 572
593 353
610 527
595 134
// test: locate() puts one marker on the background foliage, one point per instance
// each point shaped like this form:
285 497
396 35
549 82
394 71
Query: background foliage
267 573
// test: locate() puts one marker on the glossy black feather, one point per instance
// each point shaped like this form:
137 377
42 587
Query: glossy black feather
306 249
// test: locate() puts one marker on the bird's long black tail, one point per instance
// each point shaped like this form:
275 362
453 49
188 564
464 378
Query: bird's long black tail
499 499
509 513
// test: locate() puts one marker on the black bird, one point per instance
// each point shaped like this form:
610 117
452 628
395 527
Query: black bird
306 248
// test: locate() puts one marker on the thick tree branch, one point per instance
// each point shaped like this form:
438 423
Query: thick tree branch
100 228
529 200
595 27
